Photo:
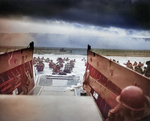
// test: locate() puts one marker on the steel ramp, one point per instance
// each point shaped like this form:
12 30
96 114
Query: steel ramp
55 85
48 108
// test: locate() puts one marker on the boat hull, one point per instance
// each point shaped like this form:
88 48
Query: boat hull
104 79
16 72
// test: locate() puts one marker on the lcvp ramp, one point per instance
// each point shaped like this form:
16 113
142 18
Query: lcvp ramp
56 85
49 101
48 108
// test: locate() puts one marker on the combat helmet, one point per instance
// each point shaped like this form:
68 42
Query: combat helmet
132 97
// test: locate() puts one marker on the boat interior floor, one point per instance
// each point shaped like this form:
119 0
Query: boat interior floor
56 86
50 101
48 108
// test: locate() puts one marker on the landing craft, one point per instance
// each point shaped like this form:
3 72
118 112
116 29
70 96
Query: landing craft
103 82
26 96
16 71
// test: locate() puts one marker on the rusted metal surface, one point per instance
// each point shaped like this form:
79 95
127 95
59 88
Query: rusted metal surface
103 92
13 59
99 77
16 72
105 79
118 74
10 85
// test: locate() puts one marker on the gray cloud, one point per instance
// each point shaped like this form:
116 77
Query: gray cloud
54 33
119 13
73 41
15 39
80 41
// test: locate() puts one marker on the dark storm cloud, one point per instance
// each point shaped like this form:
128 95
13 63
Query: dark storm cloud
120 13
34 8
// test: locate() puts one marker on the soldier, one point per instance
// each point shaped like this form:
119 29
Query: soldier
51 63
42 58
129 64
135 63
114 60
72 64
54 68
67 68
60 60
147 71
40 66
38 59
133 106
140 64
34 60
47 60
145 68
138 69
67 59
58 68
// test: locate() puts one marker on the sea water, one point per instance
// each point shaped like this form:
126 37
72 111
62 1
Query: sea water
79 68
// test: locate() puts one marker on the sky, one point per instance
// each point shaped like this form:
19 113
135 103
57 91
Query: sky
75 24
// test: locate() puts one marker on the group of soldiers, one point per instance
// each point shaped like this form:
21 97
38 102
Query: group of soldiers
57 67
69 65
133 105
139 67
39 63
